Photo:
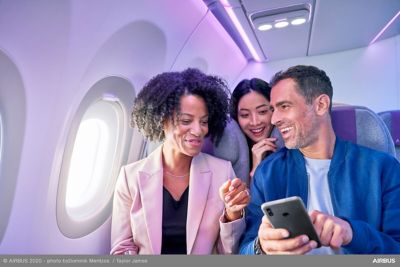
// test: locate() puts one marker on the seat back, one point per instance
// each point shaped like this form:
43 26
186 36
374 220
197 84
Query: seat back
392 121
362 126
232 147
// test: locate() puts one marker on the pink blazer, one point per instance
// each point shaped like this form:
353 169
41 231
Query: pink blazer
137 208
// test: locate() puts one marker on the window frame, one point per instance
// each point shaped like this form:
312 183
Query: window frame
1 140
114 89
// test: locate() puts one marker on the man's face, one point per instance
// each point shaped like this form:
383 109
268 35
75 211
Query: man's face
297 121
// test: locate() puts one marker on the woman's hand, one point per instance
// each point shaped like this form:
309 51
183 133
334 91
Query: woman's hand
236 197
259 150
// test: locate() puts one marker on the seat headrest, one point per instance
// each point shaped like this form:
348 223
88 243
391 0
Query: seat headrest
232 147
362 126
395 129
392 120
279 140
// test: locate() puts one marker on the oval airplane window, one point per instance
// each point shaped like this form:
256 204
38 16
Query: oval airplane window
97 144
93 158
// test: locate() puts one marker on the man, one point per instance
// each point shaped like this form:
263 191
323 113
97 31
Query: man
351 192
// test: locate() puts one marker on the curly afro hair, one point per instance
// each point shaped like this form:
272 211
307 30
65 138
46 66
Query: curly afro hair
160 98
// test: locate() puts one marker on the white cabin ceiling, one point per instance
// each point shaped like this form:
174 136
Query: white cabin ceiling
334 25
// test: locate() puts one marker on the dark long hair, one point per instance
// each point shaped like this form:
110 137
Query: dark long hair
245 87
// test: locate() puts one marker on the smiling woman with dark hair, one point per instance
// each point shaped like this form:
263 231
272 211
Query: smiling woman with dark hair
250 107
179 200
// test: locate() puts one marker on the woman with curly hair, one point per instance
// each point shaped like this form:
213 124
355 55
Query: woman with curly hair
179 200
249 106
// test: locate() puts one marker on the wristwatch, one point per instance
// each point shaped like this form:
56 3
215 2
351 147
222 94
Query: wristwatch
257 247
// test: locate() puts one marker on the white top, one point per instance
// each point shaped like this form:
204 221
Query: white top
319 197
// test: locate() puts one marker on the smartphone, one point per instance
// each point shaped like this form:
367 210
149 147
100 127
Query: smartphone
290 214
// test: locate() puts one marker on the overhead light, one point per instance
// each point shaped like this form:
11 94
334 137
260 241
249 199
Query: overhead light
264 27
298 21
281 24
281 17
231 12
384 28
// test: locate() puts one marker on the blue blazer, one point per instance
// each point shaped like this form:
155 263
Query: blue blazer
364 187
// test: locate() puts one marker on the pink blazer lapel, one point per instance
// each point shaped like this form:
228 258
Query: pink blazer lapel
151 186
199 184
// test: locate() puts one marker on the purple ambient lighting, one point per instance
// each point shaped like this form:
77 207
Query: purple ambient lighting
225 3
384 28
245 38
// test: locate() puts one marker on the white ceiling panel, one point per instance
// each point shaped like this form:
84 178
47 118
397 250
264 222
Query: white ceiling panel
334 25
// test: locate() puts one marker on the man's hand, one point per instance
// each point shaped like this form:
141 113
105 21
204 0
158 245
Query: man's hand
332 231
275 241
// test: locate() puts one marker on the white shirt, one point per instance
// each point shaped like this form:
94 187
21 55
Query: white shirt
319 196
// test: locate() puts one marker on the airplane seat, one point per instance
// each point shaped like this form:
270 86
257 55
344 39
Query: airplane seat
392 121
362 126
232 147
279 140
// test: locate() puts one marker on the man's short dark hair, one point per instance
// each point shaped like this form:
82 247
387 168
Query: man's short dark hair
311 82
